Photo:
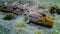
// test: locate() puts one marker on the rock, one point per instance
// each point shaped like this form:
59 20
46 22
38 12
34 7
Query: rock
9 16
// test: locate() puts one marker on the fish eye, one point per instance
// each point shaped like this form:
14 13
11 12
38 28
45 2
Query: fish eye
44 15
24 14
21 9
5 7
14 8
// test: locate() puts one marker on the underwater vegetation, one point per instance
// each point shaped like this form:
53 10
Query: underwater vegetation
37 32
21 25
55 9
9 16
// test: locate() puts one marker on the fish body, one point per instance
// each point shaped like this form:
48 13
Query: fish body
37 16
34 14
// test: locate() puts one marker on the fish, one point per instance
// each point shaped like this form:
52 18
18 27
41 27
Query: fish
14 7
31 13
38 17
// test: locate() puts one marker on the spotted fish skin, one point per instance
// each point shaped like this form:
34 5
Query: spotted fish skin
32 13
14 7
38 17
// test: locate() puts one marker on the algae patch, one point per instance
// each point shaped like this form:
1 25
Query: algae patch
21 25
9 16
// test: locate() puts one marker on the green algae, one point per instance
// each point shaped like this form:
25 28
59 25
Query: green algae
9 16
37 33
55 32
21 25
